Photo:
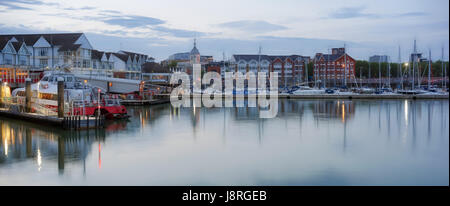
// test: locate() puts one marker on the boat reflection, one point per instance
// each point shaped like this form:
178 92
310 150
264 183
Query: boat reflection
305 133
23 141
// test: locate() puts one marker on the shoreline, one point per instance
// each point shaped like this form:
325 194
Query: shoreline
336 96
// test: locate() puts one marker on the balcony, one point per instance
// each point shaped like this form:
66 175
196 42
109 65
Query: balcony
10 66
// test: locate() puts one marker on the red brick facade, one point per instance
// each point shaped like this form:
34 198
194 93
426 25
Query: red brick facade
332 66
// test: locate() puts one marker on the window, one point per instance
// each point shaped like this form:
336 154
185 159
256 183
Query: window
43 62
8 59
43 52
22 60
86 63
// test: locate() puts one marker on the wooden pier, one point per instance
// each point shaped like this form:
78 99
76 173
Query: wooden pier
32 117
146 102
72 122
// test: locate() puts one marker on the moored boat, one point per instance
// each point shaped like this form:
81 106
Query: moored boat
80 98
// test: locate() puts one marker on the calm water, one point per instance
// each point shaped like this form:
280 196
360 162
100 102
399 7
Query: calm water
327 142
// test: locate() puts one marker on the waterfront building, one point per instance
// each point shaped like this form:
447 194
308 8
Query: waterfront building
291 69
55 50
216 67
417 57
379 58
337 65
15 60
102 61
184 61
154 73
31 54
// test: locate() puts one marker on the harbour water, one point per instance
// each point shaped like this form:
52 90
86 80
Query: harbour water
310 142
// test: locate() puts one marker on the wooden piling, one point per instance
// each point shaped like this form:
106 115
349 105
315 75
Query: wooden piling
60 97
28 95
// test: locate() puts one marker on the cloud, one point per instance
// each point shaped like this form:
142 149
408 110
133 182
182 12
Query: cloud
351 12
178 32
412 14
357 12
23 4
252 26
13 5
82 8
133 21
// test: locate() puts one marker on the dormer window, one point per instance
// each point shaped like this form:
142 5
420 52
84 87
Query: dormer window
43 51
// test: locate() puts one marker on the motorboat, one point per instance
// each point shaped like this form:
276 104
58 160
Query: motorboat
80 98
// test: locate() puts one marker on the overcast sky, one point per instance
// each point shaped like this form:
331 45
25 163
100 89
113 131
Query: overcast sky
160 28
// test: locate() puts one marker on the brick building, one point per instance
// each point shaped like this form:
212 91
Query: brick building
290 68
335 66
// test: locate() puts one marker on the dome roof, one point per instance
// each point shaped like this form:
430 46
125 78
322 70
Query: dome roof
194 50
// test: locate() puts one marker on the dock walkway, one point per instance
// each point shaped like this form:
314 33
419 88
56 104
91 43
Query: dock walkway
340 96
145 102
66 122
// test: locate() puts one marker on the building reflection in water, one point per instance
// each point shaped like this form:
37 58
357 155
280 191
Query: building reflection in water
289 110
23 141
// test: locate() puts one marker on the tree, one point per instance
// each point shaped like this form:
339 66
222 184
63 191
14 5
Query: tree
172 64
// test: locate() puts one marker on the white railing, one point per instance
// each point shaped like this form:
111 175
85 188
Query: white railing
41 109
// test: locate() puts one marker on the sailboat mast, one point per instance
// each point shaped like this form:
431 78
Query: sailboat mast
259 59
345 69
442 67
399 67
306 72
389 72
326 69
414 66
379 72
368 81
429 68
334 69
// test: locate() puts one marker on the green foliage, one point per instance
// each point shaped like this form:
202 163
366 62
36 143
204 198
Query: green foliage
362 67
172 64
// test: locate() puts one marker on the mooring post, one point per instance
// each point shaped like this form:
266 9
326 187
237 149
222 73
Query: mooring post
28 95
60 97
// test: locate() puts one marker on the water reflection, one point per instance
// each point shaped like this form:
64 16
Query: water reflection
22 141
326 142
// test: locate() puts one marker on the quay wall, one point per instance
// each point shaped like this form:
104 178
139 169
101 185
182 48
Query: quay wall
343 96
39 119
